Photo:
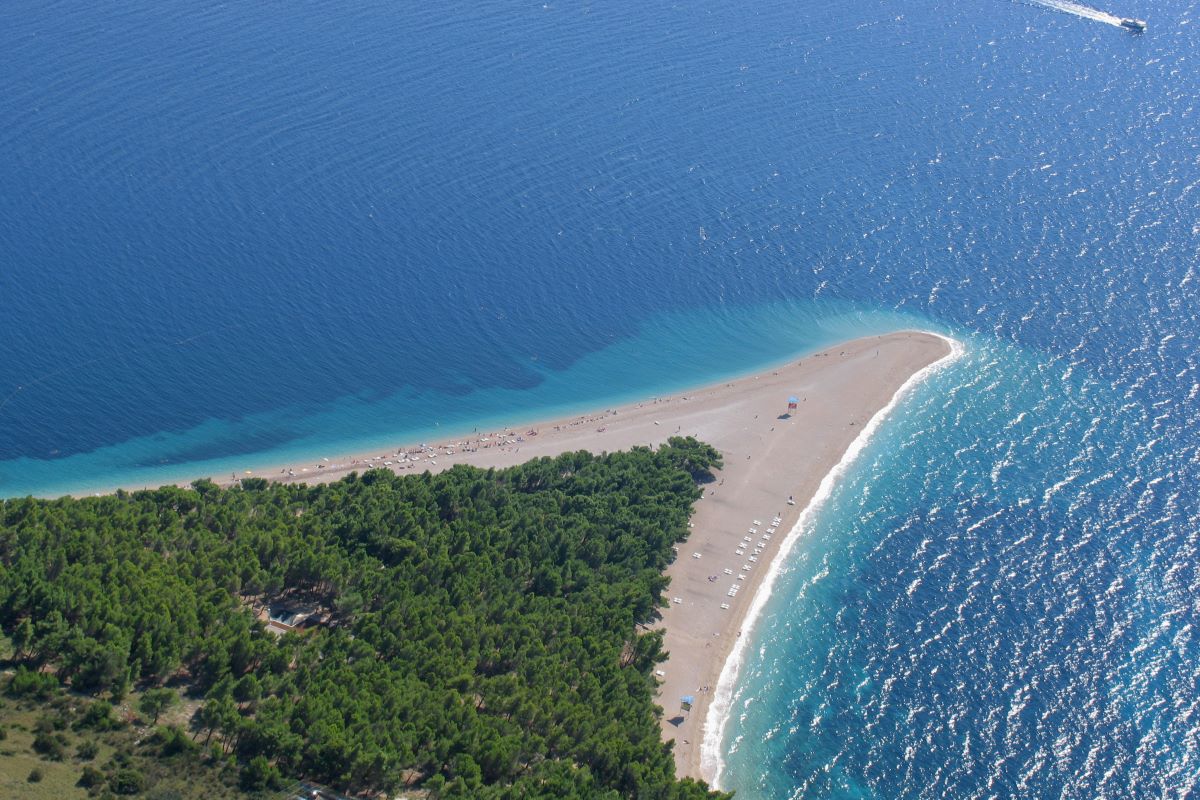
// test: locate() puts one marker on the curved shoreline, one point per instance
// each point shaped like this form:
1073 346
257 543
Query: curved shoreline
712 762
771 452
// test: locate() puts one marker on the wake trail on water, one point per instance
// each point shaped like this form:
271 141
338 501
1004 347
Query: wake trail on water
1079 10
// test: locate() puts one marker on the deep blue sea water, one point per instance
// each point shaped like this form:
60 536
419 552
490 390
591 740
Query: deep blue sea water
234 235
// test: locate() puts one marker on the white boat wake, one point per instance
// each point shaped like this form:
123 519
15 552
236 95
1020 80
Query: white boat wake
1079 10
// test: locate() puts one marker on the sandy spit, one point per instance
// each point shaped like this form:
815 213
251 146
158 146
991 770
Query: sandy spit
770 455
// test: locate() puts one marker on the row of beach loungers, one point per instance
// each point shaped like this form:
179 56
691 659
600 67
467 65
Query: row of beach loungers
747 549
753 549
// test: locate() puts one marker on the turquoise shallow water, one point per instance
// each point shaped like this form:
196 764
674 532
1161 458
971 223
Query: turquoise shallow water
232 236
982 615
667 352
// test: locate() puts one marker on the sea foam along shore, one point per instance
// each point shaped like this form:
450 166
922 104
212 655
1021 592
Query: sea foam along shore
774 462
712 762
768 456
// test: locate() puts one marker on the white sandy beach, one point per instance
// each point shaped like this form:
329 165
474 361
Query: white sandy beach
744 516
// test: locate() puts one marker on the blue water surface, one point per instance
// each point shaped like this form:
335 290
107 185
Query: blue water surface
241 234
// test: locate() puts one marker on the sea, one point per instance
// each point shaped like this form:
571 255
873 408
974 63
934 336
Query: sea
240 235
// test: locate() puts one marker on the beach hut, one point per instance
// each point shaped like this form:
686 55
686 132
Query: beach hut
686 702
792 402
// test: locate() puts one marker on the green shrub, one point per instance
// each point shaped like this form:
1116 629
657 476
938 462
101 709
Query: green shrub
90 778
127 781
259 774
49 746
173 741
87 750
27 683
98 716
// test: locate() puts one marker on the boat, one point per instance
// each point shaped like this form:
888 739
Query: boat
1135 25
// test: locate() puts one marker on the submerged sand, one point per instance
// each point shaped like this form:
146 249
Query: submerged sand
770 455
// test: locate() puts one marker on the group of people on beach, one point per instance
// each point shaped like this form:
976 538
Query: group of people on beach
410 457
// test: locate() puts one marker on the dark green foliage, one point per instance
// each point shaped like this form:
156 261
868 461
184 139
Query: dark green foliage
482 638
259 774
127 781
98 716
27 683
248 689
49 745
35 775
52 721
22 636
156 701
172 741
695 458
87 750
91 777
